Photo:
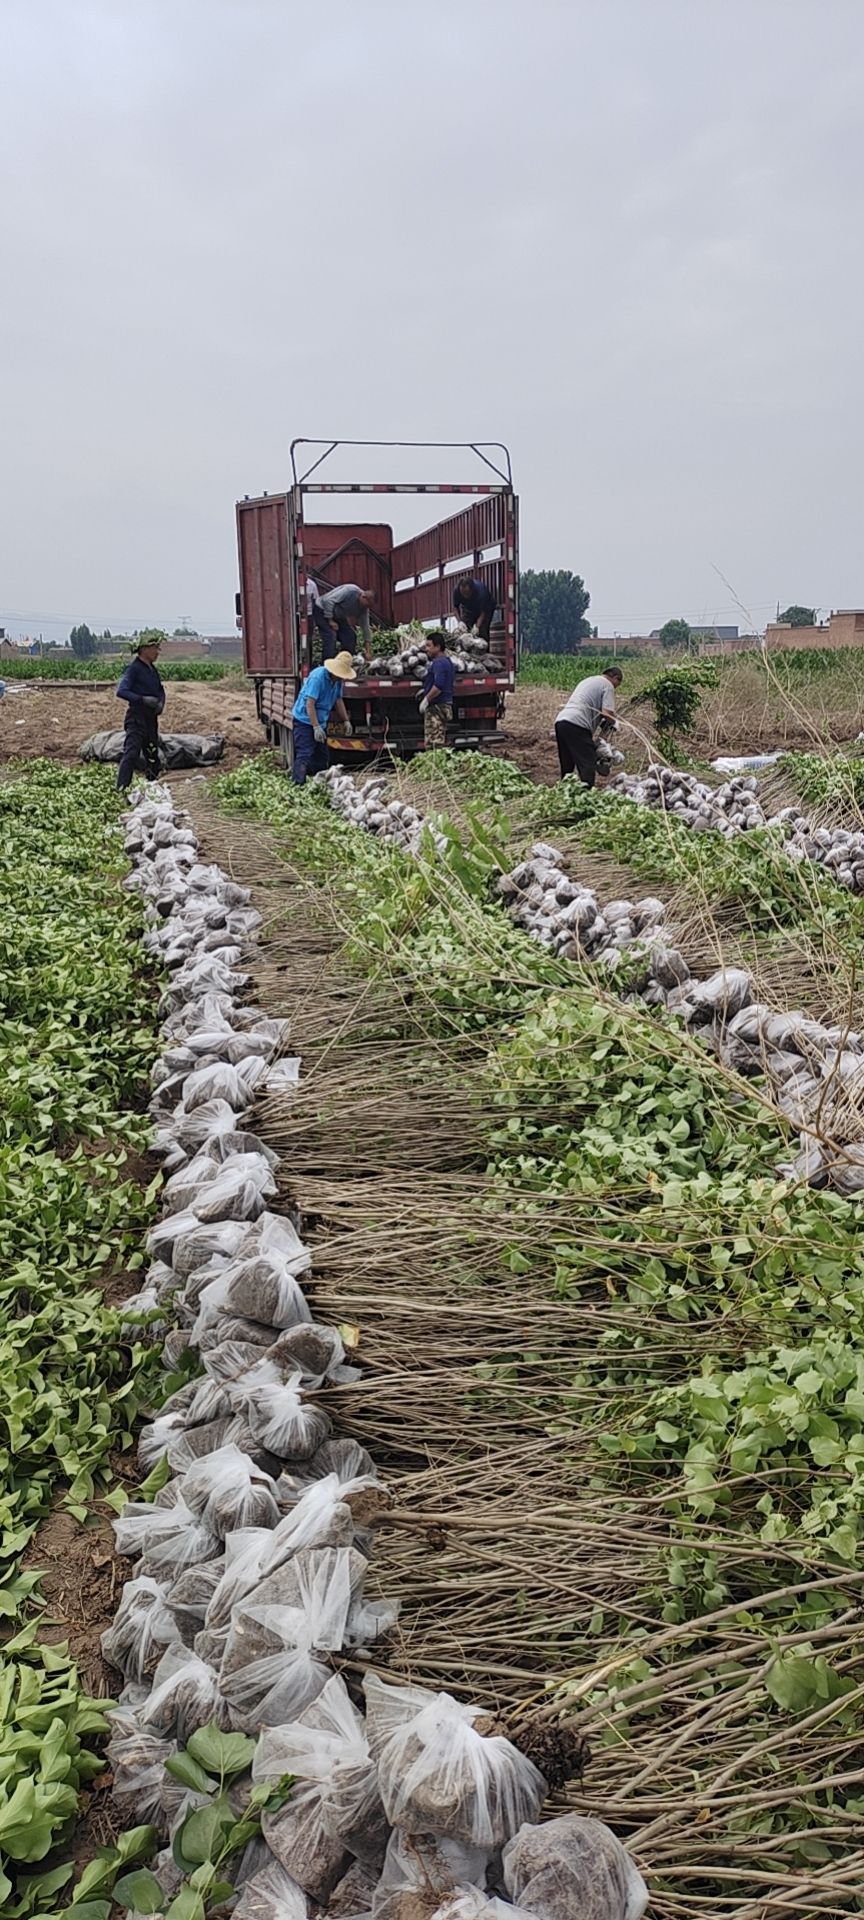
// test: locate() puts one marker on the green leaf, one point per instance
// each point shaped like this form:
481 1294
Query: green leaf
182 1767
140 1890
188 1904
224 1754
156 1480
793 1683
136 1843
201 1834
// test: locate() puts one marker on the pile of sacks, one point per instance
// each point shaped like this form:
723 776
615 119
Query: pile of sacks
730 809
468 653
734 808
366 805
251 1563
816 1072
567 917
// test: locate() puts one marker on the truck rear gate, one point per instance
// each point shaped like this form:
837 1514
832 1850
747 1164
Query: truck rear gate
410 580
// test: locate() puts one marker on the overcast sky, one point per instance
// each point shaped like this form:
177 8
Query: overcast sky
624 236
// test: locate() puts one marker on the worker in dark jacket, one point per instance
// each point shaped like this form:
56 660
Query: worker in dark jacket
436 704
141 687
475 605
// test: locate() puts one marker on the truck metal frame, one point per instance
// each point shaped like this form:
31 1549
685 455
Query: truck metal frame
410 580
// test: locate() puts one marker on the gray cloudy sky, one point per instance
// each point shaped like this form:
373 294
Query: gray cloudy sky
624 236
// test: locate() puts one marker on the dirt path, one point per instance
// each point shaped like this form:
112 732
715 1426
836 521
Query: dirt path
37 720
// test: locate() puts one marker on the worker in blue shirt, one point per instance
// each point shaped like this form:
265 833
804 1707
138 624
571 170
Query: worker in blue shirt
141 687
436 704
475 605
319 696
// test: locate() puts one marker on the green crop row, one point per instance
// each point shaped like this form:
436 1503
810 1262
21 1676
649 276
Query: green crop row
77 1035
110 667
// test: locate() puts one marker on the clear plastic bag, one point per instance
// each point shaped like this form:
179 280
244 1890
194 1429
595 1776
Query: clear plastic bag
162 1239
277 1412
439 1775
208 1123
198 1244
238 1192
471 1903
318 1518
270 1672
225 1490
302 1845
191 1593
185 1696
137 1761
308 1349
222 1081
272 1895
142 1628
229 1348
265 1289
327 1747
354 1893
420 1872
574 1865
181 1192
169 1538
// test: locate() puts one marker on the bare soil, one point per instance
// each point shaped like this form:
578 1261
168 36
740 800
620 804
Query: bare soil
54 721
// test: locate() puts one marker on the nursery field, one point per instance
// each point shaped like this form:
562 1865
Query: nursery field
499 1336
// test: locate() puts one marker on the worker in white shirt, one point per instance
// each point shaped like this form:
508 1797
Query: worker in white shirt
591 706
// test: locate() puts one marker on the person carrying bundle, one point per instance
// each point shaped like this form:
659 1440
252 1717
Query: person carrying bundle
591 707
475 605
319 696
345 609
140 685
436 704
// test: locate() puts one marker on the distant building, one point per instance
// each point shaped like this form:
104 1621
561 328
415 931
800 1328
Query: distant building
705 633
845 628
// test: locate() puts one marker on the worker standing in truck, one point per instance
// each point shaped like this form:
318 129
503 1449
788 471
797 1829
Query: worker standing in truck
317 620
436 704
475 605
319 696
591 706
140 685
346 608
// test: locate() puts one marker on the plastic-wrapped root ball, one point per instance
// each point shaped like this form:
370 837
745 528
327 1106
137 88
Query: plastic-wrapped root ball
280 1417
574 1866
185 1696
226 1491
438 1774
142 1628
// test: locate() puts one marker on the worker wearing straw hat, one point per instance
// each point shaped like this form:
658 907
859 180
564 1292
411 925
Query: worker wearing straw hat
319 696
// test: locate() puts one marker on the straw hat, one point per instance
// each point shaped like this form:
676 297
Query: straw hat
341 666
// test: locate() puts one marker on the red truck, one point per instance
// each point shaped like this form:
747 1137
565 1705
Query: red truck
410 580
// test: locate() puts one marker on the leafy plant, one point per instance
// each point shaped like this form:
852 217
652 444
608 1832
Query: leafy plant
674 695
209 1837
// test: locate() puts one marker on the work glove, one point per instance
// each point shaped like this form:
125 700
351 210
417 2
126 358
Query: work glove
150 700
424 704
348 729
320 736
